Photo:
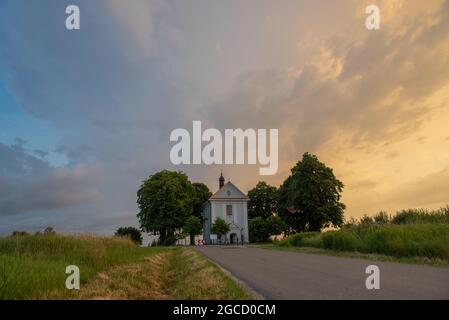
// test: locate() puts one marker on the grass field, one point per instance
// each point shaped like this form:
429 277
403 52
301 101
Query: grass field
411 235
33 267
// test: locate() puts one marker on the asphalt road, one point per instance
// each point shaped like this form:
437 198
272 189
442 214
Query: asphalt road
290 275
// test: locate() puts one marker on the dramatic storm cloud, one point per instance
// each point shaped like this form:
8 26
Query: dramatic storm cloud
86 115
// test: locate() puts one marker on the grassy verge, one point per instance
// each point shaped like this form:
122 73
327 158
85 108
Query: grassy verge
33 267
416 243
359 255
173 274
191 276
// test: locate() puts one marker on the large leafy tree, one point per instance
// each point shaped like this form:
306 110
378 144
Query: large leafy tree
165 203
262 201
201 194
130 232
192 227
309 200
295 221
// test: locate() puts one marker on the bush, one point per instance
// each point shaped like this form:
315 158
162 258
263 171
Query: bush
132 233
169 241
300 239
260 229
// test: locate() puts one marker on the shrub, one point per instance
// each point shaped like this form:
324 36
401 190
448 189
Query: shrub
132 233
260 229
299 239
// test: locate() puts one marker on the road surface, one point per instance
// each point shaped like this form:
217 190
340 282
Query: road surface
290 275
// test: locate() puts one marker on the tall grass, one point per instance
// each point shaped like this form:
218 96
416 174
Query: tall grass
182 279
408 216
414 240
421 216
410 233
31 266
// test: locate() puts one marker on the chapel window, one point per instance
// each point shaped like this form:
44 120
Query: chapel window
229 209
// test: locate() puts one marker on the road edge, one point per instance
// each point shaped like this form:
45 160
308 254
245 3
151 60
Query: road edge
251 291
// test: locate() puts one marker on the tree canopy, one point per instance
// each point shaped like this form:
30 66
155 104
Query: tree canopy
262 201
262 206
165 201
309 199
201 194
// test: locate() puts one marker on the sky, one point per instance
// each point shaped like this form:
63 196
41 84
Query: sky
86 115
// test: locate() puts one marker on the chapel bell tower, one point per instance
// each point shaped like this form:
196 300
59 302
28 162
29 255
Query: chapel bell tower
221 180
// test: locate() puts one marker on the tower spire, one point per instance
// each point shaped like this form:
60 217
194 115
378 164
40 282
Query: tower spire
221 180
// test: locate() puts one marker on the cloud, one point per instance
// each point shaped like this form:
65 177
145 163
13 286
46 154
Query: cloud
428 191
358 94
14 160
28 184
135 71
40 153
141 28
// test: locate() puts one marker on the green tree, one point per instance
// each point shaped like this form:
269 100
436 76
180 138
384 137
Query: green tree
130 232
295 221
220 227
192 227
165 201
260 230
314 193
275 225
201 194
262 201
